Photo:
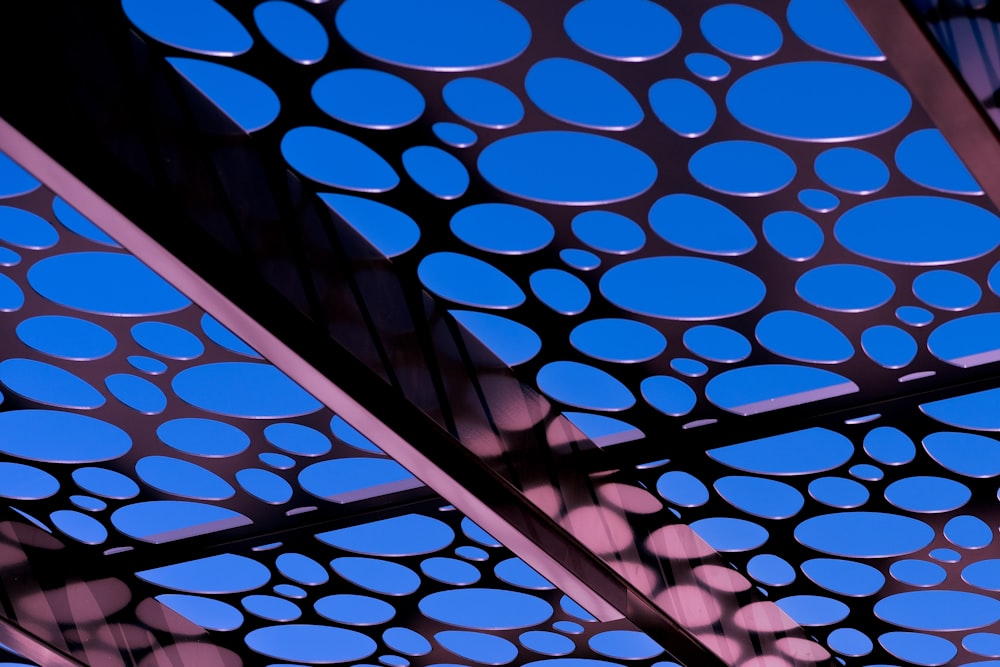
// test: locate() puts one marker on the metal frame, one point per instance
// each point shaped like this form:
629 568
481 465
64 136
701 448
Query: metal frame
483 469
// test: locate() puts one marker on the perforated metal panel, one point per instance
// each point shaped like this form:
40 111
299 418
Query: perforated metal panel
658 228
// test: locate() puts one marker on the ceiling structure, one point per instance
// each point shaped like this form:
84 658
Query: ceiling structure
691 308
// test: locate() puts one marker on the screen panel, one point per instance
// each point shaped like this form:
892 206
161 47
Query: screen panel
807 323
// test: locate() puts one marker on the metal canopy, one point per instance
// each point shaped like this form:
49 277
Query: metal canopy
694 315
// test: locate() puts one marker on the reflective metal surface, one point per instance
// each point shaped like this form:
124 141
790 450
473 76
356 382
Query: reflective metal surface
532 251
